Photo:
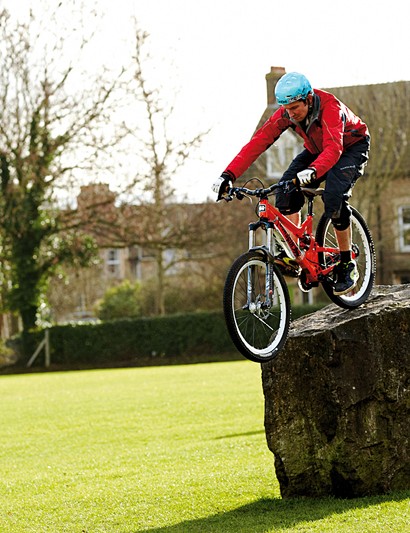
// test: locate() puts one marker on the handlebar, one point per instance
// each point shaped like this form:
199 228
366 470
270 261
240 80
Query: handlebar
240 192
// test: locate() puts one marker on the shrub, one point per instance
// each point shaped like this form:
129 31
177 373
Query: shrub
7 355
132 340
122 301
181 338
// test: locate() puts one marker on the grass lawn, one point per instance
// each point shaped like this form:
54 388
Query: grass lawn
176 449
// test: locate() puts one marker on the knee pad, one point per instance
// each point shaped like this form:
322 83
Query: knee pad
341 219
341 224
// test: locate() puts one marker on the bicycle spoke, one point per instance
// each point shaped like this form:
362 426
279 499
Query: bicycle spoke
363 249
263 322
258 325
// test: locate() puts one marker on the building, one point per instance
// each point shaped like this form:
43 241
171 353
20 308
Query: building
383 197
132 239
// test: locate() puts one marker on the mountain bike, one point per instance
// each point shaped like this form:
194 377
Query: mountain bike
256 298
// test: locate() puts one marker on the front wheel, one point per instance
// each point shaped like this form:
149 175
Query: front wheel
256 307
363 247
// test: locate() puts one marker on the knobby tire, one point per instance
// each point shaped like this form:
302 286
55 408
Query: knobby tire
257 330
366 260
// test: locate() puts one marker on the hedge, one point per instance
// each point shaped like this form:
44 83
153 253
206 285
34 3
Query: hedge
157 340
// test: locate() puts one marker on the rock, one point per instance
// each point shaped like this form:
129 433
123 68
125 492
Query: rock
337 400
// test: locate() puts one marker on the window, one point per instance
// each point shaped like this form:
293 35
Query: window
404 228
281 155
113 262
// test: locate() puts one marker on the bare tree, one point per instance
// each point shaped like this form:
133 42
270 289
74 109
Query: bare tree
52 125
161 225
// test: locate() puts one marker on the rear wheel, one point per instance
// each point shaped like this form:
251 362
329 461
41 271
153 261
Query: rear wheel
363 248
257 318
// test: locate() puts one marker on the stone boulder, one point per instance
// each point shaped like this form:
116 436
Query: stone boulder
337 400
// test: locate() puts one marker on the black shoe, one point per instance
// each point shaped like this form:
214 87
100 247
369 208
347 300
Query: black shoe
346 278
288 267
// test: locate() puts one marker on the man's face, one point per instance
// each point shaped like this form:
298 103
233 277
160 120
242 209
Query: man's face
297 110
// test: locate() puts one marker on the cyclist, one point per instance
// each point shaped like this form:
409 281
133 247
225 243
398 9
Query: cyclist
336 146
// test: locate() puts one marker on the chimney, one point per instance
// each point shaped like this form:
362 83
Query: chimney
271 80
95 195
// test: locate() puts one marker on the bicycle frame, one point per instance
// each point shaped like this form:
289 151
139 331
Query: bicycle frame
257 304
305 250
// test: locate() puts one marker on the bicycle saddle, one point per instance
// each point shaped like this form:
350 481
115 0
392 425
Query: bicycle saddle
312 192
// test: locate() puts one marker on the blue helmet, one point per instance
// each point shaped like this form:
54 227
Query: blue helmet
292 87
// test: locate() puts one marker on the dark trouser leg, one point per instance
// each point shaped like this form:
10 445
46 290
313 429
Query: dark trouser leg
292 201
339 183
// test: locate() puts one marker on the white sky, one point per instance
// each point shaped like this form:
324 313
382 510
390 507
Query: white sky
217 52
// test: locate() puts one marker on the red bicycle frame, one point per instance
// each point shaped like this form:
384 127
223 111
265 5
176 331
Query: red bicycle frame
305 250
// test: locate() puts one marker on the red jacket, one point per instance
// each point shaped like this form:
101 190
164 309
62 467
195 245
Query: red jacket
332 128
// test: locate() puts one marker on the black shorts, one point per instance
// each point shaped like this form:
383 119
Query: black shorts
340 179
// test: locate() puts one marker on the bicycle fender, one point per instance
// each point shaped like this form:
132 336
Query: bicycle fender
265 251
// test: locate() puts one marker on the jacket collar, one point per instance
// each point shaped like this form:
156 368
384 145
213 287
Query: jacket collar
315 108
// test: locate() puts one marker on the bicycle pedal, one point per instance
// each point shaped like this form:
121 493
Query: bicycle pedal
305 286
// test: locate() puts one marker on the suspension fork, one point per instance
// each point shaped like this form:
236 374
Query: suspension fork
251 241
268 252
269 267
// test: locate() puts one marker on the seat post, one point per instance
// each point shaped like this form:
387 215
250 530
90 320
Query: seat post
310 205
